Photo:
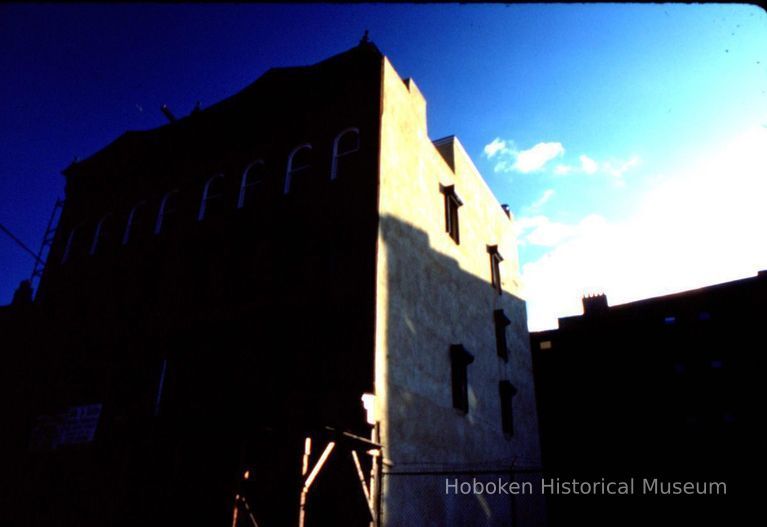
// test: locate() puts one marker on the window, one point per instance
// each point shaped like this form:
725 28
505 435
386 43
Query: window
167 208
500 333
251 179
73 234
99 234
347 142
507 392
160 387
495 267
212 200
131 221
299 165
452 202
545 345
459 360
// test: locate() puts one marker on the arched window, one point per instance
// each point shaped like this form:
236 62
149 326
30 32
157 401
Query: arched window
347 142
167 208
72 239
299 165
132 220
251 179
101 234
212 197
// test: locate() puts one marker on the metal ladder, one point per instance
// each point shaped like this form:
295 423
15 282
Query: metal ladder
45 245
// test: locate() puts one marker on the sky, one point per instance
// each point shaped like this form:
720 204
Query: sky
630 141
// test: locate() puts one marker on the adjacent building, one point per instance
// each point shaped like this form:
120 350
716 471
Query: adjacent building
661 388
291 303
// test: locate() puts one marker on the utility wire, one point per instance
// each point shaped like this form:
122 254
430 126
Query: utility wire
20 243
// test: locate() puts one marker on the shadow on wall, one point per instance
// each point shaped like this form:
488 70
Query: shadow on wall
260 370
434 437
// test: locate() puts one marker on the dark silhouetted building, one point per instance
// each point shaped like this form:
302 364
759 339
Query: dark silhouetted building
660 388
295 277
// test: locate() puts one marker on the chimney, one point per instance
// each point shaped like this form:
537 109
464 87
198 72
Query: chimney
594 304
506 209
22 295
166 111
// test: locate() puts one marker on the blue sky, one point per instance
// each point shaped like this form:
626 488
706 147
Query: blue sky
629 140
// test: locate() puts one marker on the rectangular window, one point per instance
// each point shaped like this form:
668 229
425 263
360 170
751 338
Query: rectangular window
452 202
500 333
495 267
507 392
459 360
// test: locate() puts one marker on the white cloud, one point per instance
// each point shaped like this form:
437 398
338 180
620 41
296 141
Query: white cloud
547 194
616 169
511 159
613 168
542 231
588 165
493 148
702 226
508 158
536 157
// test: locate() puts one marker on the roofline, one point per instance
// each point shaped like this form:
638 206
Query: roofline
760 275
73 167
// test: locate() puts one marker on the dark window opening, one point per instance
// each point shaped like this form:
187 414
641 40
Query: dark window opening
347 142
136 222
212 203
507 392
452 203
74 243
252 181
299 176
459 361
495 267
166 215
103 235
500 333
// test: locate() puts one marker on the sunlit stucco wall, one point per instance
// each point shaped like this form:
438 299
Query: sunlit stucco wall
433 293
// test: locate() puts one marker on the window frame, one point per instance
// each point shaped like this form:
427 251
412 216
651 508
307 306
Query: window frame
290 170
452 203
70 241
129 222
337 155
495 268
207 197
97 234
246 184
162 212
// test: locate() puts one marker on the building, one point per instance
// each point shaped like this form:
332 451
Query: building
659 388
224 291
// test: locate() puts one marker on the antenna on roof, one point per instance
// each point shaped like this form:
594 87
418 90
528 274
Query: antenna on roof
365 38
167 113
